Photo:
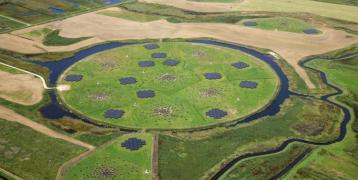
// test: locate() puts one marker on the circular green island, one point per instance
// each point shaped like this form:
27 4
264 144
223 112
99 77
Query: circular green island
169 85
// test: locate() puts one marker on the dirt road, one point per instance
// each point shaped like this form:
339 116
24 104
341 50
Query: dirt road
291 46
10 115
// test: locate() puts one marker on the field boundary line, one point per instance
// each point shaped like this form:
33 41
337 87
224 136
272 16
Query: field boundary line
28 72
61 172
10 174
155 153
16 20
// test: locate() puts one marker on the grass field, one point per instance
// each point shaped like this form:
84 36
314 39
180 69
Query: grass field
280 24
29 154
35 11
182 89
7 24
322 164
54 39
265 167
197 157
115 162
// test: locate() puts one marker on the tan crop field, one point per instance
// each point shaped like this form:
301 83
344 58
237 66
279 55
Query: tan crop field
20 88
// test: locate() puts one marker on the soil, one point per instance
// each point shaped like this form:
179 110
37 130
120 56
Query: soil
167 77
23 89
164 111
210 92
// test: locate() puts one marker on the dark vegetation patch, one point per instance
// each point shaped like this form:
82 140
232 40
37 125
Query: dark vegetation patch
311 31
146 63
216 113
54 39
167 77
159 55
250 23
133 144
212 76
145 94
248 84
171 62
128 80
73 78
114 113
240 65
151 46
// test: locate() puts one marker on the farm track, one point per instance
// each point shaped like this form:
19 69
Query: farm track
7 173
16 20
31 73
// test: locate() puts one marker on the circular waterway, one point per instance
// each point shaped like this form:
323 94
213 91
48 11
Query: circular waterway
55 110
168 97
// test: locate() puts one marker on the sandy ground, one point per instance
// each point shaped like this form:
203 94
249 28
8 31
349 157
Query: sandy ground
291 46
10 115
20 88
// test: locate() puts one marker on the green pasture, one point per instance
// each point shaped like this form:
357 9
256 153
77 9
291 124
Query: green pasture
29 154
185 95
7 24
322 164
280 24
54 39
202 156
118 162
